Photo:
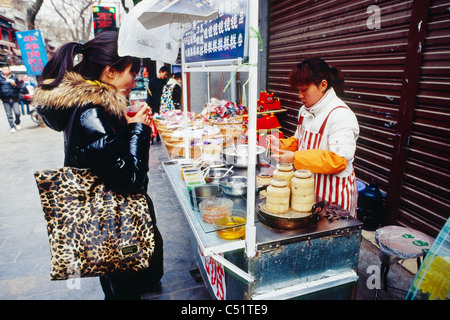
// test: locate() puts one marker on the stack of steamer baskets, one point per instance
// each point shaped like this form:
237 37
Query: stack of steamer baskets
290 199
207 145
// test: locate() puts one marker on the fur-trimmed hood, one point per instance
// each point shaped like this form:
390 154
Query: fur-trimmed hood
55 105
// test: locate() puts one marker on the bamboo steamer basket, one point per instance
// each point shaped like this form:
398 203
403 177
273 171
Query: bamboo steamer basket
230 121
163 130
159 125
176 148
169 137
233 130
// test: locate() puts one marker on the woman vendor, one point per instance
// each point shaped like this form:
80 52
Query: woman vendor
325 139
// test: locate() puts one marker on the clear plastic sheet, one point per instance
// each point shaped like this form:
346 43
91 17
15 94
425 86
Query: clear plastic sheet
432 281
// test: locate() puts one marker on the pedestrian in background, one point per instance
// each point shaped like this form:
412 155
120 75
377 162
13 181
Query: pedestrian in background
9 93
171 96
155 89
87 101
26 94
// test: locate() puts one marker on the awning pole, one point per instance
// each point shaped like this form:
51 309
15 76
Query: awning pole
187 141
250 232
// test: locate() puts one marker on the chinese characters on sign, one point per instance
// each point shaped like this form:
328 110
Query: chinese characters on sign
33 51
104 18
220 39
216 275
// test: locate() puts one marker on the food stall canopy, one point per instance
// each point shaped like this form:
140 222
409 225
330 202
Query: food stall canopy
158 13
149 29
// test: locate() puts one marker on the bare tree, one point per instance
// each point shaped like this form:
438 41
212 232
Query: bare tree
32 13
76 16
135 2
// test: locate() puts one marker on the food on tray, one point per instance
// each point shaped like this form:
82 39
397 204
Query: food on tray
302 191
222 110
278 196
216 208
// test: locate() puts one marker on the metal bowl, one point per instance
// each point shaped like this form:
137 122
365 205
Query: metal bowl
234 185
215 174
199 193
238 155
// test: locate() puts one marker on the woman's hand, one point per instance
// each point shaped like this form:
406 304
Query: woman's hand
273 141
144 115
283 156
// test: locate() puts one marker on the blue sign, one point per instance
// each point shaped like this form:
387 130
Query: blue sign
33 51
221 39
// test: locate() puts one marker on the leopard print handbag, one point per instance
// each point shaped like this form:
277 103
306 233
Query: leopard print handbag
93 230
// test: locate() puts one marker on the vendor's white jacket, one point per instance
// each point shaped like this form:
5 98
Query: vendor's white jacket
329 155
341 131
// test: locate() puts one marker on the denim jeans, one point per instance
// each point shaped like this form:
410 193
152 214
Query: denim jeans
10 107
27 104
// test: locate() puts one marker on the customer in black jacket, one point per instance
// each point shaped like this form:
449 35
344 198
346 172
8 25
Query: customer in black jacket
9 93
155 89
87 102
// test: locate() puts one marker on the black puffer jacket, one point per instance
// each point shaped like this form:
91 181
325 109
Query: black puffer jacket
96 135
7 90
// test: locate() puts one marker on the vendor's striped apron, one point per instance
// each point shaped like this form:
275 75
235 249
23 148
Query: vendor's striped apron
329 187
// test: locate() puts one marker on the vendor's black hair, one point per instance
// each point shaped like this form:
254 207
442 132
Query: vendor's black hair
95 55
164 69
313 71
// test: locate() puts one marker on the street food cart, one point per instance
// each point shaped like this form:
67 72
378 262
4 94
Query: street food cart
317 259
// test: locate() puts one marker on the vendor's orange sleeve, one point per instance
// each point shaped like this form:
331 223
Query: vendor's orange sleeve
290 144
319 161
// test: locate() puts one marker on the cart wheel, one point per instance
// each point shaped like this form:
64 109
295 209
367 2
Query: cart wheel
34 116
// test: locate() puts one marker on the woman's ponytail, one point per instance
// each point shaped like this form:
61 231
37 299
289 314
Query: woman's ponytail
97 54
58 65
313 71
337 81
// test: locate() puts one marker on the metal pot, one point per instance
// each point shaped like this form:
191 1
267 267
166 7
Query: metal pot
238 155
289 222
199 193
234 186
216 174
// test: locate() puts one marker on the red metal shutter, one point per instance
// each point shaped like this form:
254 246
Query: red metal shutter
373 61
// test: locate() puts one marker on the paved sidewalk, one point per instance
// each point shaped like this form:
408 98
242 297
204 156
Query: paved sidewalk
24 249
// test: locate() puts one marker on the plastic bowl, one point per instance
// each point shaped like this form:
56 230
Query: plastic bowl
216 208
231 227
234 185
